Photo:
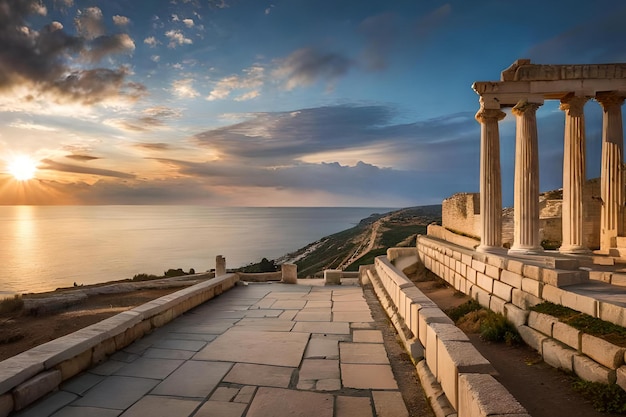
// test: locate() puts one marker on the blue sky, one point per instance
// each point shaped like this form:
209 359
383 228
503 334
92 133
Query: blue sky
276 103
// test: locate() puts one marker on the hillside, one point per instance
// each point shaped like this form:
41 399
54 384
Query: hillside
361 244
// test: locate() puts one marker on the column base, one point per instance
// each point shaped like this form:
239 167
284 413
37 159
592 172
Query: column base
525 250
499 250
574 249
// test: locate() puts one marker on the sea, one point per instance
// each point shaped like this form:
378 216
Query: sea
43 248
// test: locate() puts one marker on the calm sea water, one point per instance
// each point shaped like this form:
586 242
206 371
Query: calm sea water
46 247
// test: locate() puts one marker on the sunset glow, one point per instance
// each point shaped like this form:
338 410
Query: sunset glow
22 168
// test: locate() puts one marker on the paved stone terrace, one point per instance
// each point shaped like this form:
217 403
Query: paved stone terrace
258 350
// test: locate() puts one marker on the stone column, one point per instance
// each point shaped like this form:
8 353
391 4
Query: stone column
220 265
573 174
490 180
611 179
526 189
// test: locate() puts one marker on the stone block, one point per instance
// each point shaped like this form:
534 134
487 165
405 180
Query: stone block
492 272
552 294
455 358
515 315
430 315
19 368
466 259
503 291
76 365
511 278
471 275
289 273
515 266
389 404
532 272
621 377
618 279
561 278
542 322
600 276
612 313
532 338
478 266
430 353
567 335
524 300
101 351
580 303
531 286
414 319
603 352
480 295
484 282
497 261
35 388
496 305
590 370
332 277
6 405
481 395
557 355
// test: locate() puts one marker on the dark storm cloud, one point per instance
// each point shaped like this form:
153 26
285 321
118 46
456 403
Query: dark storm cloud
41 60
306 66
78 169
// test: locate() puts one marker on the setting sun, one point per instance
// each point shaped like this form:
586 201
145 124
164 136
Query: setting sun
22 168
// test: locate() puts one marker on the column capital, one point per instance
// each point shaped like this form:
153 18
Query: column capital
573 105
485 114
609 99
524 106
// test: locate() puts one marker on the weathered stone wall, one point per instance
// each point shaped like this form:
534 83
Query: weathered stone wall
461 213
511 286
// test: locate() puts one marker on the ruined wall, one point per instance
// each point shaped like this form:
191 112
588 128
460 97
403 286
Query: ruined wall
461 213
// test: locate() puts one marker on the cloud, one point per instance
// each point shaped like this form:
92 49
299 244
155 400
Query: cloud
151 41
157 146
252 80
188 22
89 22
598 41
49 164
184 88
152 118
121 20
48 64
428 23
380 33
306 66
177 38
82 158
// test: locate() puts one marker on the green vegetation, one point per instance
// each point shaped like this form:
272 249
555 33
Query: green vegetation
585 323
170 273
604 398
264 266
493 327
11 305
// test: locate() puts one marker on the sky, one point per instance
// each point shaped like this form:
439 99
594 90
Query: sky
277 102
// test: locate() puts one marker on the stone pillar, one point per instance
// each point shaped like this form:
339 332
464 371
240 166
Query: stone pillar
490 180
220 266
573 174
611 179
526 188
289 273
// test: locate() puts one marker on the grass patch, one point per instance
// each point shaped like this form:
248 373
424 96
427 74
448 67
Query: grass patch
604 398
492 327
11 305
585 323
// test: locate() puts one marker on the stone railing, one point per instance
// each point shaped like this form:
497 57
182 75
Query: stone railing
510 286
26 377
457 379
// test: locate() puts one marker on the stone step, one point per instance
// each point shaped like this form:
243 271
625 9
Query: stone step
621 241
619 252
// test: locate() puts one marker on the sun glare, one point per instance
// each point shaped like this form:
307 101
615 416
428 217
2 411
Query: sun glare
22 168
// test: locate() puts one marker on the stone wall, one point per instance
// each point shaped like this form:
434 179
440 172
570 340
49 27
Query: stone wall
26 377
510 286
461 213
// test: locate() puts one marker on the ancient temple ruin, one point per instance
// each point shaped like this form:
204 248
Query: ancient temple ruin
524 87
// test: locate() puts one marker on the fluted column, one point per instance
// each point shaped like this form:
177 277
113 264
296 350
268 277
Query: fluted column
611 180
526 189
574 176
490 180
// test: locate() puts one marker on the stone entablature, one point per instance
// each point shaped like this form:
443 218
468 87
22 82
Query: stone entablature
524 87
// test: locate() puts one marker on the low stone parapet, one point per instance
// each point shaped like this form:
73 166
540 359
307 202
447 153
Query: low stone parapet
32 374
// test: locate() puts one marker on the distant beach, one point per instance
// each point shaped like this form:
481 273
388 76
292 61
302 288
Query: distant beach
47 247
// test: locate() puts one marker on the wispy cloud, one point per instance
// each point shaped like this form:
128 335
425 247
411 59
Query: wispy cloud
82 158
49 164
251 80
306 66
184 88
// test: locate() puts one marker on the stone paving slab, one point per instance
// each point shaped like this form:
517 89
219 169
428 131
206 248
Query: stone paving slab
257 350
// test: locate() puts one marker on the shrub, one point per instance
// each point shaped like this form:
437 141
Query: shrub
496 328
604 398
457 312
11 305
145 277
